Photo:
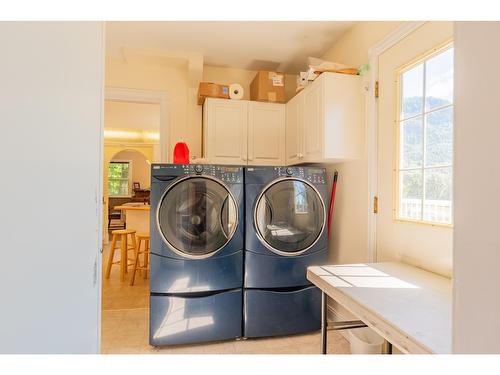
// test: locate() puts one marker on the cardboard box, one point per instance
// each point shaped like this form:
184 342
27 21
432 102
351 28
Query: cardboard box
212 90
268 87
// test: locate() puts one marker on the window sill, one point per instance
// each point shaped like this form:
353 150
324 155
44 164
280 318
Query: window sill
422 222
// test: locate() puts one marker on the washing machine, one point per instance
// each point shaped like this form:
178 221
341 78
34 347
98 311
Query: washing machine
286 232
197 245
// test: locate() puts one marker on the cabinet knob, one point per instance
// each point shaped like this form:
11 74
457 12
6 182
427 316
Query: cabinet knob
244 159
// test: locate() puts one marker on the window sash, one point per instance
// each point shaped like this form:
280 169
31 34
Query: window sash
422 168
120 180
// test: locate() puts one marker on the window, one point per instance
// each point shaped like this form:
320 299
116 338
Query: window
119 178
426 139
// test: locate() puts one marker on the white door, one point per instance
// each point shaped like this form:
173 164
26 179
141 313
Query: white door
406 186
266 133
294 130
51 78
226 135
312 125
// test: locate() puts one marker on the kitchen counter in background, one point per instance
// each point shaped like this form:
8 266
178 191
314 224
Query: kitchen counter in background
136 216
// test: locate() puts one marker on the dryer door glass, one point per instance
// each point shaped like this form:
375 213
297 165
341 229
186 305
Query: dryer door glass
197 216
289 216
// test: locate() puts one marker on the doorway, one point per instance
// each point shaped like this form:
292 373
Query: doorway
131 144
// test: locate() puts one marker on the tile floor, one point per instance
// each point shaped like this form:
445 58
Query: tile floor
125 327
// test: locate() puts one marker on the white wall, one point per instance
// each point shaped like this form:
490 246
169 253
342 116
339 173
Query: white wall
349 240
131 115
50 149
158 74
476 249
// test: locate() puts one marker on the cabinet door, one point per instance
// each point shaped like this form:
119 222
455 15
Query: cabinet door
266 133
226 131
313 122
294 133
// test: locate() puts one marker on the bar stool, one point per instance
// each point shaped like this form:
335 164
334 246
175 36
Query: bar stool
141 237
124 248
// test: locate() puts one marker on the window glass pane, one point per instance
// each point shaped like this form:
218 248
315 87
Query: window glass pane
438 195
412 92
439 80
411 139
118 187
118 170
439 137
118 173
410 206
123 188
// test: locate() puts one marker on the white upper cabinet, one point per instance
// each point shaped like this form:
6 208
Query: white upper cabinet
266 133
313 118
321 124
243 132
294 130
325 121
225 131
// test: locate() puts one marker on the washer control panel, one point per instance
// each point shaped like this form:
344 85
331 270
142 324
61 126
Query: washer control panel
311 174
229 174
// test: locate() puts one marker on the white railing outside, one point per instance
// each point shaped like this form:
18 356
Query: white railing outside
438 211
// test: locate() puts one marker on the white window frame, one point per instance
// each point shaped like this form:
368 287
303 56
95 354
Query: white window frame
130 165
397 169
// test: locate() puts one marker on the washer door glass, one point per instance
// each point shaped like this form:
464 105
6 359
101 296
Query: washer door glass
289 216
197 216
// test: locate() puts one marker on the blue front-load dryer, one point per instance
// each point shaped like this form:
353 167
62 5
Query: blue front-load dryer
197 242
286 232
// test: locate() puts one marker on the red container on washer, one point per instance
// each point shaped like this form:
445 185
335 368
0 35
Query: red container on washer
181 153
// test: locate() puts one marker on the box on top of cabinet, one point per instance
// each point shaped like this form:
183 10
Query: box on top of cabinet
268 87
212 90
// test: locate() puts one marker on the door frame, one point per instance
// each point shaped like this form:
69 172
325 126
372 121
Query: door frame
120 94
374 52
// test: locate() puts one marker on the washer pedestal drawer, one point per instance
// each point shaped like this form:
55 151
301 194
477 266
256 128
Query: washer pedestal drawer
276 313
187 319
175 276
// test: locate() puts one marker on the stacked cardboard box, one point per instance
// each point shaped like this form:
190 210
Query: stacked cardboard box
268 87
212 90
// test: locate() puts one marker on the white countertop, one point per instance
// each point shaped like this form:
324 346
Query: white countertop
409 307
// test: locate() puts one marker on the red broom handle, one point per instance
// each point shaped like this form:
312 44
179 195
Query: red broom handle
332 201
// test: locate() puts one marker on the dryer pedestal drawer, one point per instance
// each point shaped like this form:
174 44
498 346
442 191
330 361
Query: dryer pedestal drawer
276 313
189 319
275 271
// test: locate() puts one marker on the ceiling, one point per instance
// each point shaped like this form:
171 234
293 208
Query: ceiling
259 45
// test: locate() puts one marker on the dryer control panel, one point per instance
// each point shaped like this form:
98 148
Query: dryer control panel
311 174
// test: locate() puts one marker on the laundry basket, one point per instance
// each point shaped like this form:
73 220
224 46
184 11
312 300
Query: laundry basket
365 341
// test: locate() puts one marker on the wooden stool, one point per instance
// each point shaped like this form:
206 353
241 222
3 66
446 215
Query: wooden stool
145 267
123 262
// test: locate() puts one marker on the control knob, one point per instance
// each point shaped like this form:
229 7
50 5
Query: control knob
198 168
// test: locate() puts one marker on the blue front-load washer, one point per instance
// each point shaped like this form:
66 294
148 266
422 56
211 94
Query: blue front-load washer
285 233
197 241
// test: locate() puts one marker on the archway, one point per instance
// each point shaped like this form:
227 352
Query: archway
113 152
